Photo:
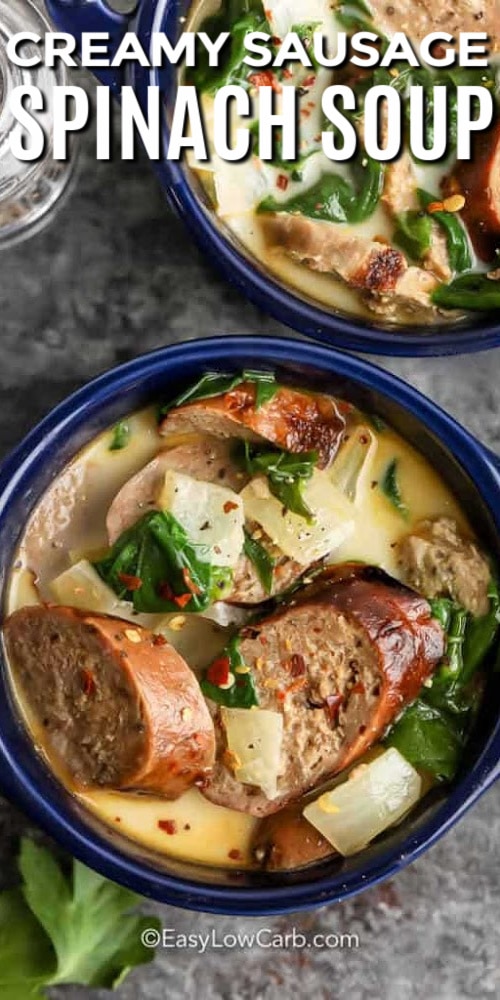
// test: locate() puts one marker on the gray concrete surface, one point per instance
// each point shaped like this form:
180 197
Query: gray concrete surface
116 275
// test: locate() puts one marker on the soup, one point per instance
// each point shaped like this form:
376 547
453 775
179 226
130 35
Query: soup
249 627
402 243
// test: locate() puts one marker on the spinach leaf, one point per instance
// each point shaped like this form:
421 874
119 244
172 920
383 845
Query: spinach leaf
261 559
333 199
390 488
286 474
428 738
469 291
306 34
413 233
481 633
230 667
433 730
354 15
216 384
120 436
154 565
239 17
456 237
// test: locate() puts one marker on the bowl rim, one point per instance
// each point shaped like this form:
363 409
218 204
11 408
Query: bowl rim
266 291
73 833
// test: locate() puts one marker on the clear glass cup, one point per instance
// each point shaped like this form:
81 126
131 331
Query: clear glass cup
29 191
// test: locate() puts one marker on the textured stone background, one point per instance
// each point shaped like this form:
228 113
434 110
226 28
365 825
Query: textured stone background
116 275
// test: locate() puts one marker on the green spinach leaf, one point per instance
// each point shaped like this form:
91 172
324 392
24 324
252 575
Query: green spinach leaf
389 485
228 681
261 559
154 565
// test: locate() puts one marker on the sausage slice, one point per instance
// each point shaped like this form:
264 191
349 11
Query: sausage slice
437 560
286 840
292 420
208 459
117 704
478 179
340 661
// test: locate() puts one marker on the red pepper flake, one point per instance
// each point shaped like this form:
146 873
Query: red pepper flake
282 182
159 640
165 591
280 696
266 79
305 113
229 506
182 599
168 826
263 640
296 665
287 73
234 854
130 582
88 683
188 580
309 80
358 688
218 671
332 706
296 685
276 41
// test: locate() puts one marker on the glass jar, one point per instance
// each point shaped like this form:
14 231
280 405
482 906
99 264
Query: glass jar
29 191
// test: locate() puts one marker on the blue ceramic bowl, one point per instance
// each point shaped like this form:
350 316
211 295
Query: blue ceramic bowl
77 16
469 468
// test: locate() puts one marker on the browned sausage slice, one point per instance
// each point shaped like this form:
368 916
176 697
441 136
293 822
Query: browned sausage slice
340 661
205 458
208 459
292 420
286 840
117 704
479 181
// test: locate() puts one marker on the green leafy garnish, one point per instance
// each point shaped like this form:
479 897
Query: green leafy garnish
413 233
286 474
120 436
456 237
242 692
306 34
239 17
261 559
154 565
56 930
481 633
213 384
390 488
432 732
469 291
429 739
333 198
354 15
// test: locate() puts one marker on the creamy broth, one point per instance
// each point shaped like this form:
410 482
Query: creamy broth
69 522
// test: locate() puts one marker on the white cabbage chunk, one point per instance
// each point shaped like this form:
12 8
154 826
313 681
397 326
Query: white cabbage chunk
81 587
352 469
254 736
374 797
300 540
211 515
